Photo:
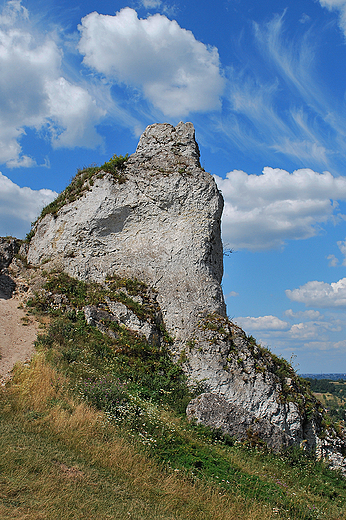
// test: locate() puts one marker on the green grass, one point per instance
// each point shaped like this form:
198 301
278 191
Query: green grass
63 460
85 354
88 394
44 467
150 462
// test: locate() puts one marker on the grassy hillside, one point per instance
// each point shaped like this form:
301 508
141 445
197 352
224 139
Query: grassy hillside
332 395
95 428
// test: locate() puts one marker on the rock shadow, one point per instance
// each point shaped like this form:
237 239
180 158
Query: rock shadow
7 286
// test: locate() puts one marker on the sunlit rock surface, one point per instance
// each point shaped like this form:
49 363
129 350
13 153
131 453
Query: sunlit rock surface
159 222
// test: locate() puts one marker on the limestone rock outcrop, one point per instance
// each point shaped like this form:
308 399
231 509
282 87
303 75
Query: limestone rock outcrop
158 221
247 375
213 410
161 225
8 248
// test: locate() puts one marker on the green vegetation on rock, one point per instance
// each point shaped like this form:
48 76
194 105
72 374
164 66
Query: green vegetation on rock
293 388
81 183
85 354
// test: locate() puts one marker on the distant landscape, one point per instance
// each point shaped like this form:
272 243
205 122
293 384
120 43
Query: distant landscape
330 389
332 377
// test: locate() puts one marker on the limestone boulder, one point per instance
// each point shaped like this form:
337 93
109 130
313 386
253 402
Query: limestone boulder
216 412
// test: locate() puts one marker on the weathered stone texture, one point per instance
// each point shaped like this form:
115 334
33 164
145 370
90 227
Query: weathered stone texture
9 247
216 412
332 449
119 313
162 226
222 356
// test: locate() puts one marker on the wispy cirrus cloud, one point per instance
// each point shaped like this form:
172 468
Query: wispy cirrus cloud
307 125
151 4
158 5
292 59
337 5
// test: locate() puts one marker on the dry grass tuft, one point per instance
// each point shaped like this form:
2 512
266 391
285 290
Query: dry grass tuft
151 492
71 473
34 385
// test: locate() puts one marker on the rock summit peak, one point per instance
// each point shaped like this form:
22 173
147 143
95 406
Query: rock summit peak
164 144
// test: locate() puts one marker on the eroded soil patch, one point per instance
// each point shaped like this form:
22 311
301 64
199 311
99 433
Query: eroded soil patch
17 335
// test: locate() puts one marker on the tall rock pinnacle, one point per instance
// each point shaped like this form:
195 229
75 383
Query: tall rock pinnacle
156 217
161 225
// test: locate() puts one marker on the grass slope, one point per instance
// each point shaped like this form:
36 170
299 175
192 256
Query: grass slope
62 459
95 428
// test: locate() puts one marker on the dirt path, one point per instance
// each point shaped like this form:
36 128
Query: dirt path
17 335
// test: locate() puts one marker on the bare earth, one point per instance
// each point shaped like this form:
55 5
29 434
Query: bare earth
17 335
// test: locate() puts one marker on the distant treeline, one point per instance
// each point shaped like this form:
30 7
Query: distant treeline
326 386
322 385
333 395
331 377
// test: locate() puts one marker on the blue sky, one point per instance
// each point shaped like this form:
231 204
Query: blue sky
264 84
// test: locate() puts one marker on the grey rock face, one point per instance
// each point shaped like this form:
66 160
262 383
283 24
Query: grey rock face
236 369
214 411
8 248
7 285
162 226
332 448
121 315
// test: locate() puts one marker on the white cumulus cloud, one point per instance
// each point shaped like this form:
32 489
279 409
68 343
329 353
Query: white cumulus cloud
333 260
313 330
320 294
263 211
72 115
20 206
34 93
175 72
262 323
311 314
232 294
